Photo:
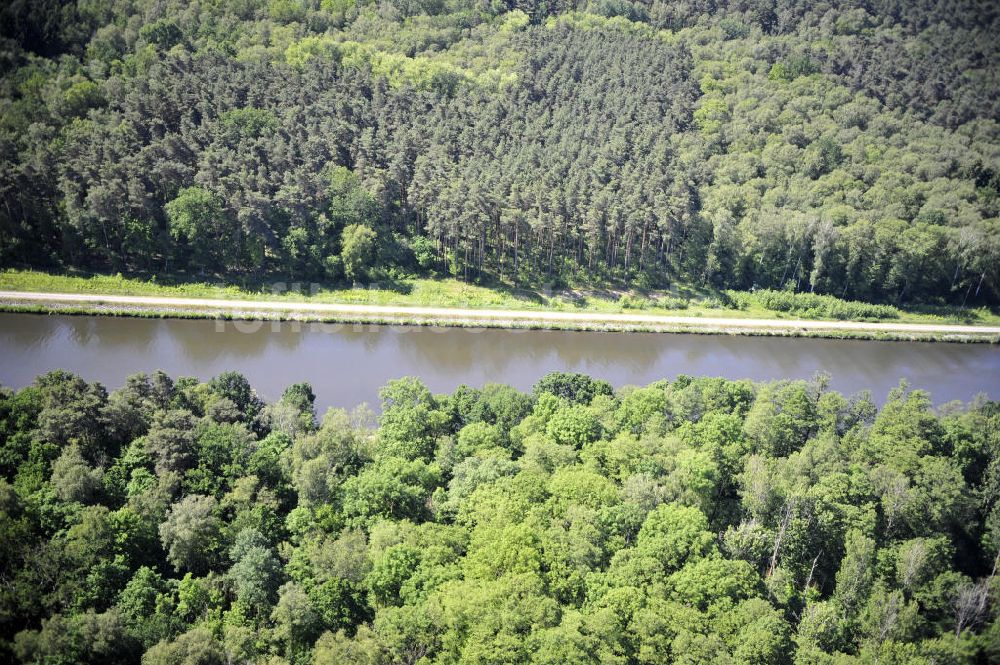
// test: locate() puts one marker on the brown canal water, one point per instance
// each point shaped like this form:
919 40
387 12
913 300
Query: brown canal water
347 364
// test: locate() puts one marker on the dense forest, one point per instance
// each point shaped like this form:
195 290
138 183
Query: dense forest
848 147
692 521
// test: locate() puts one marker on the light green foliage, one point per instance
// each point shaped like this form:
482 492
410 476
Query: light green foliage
888 616
344 557
757 633
223 452
675 534
337 649
358 250
577 487
643 409
389 573
857 571
693 480
196 217
920 560
691 521
410 420
255 573
297 623
88 637
476 437
195 647
572 641
714 584
249 122
812 305
820 627
573 425
496 551
318 460
711 115
393 488
472 473
73 478
195 598
144 606
190 532
295 412
782 418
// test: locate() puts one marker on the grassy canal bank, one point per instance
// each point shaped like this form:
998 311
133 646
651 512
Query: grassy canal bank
454 303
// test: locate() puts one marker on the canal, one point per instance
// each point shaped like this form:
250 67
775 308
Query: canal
346 364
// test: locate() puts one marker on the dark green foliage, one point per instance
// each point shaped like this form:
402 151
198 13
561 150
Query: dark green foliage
750 523
235 387
844 149
578 388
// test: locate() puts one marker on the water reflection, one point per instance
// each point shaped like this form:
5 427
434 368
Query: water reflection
347 363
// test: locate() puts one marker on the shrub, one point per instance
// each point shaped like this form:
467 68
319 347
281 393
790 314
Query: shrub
671 302
813 305
634 302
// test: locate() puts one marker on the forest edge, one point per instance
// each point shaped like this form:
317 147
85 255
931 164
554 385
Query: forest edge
127 305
